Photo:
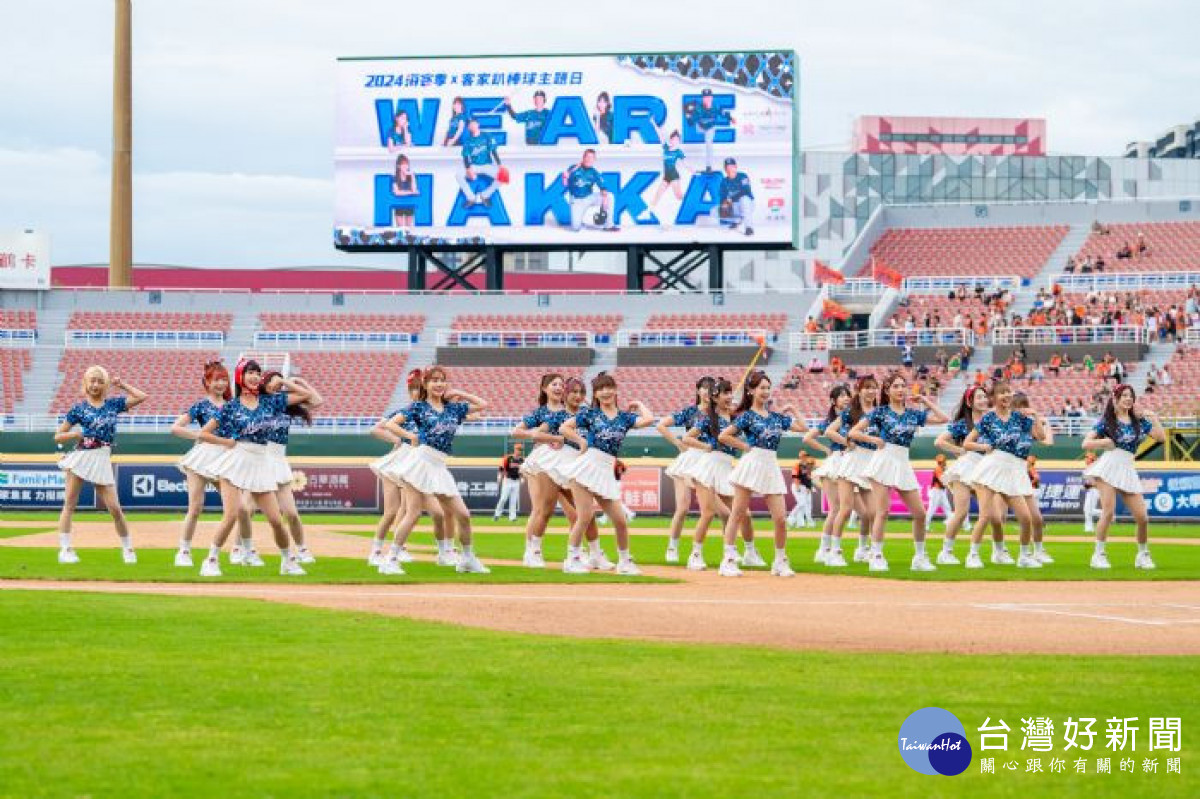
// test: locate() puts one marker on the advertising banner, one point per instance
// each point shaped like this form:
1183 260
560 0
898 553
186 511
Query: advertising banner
158 486
567 150
38 486
351 488
24 260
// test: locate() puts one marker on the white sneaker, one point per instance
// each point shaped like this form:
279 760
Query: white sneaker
1028 562
836 559
672 555
600 562
821 556
533 559
305 555
252 558
404 556
1000 557
211 567
729 568
447 557
696 561
67 556
628 568
1043 557
751 558
469 564
1143 561
878 562
861 554
781 567
575 565
390 565
945 558
1100 561
183 559
375 558
974 561
290 567
129 556
238 556
920 563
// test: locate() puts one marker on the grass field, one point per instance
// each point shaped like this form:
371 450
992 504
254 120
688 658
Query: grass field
163 696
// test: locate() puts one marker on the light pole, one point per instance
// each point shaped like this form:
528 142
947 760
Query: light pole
120 235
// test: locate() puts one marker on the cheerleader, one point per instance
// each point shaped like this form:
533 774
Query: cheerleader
853 488
242 427
829 552
939 498
890 468
802 488
591 476
197 463
277 441
757 472
1004 436
1038 522
437 413
681 469
392 495
91 460
1117 435
1091 495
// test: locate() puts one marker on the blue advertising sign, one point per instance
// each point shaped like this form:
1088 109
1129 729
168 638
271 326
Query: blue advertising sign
38 486
160 486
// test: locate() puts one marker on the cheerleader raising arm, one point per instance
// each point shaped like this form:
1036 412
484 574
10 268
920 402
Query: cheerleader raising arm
798 423
474 403
646 417
1156 429
315 400
135 395
935 414
296 393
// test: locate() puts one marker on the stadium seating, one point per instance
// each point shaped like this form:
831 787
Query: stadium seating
666 389
1049 395
349 322
352 383
1182 397
150 320
170 378
601 324
20 319
13 365
984 251
1173 247
943 309
510 391
810 393
770 322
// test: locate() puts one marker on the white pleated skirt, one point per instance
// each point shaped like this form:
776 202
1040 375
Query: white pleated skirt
560 468
713 472
277 454
960 470
758 471
200 460
1003 473
891 467
542 460
829 466
853 466
386 466
685 464
92 465
426 471
247 466
1116 467
594 470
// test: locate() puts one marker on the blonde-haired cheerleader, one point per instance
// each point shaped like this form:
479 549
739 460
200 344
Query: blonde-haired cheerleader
91 460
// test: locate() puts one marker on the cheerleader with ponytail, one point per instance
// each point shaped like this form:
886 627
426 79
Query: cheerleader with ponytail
198 462
853 488
830 550
682 469
277 441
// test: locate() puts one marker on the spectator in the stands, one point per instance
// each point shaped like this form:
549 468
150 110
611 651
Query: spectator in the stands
1125 251
1100 229
1143 249
1067 363
906 355
1038 374
1164 377
940 357
1070 267
1055 364
815 366
1089 364
1099 264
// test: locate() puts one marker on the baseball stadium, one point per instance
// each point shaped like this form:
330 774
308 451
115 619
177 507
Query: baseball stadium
622 444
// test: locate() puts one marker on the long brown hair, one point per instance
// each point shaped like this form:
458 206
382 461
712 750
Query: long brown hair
885 388
704 389
1111 425
966 408
426 376
301 411
856 408
572 384
835 394
602 380
752 382
719 386
547 379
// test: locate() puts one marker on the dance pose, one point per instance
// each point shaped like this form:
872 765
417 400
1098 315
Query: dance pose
1038 552
890 468
243 427
829 551
854 488
673 161
277 441
437 414
1117 435
1005 437
91 460
974 404
682 469
198 462
757 472
592 478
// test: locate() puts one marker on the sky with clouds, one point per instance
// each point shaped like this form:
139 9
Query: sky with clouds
233 99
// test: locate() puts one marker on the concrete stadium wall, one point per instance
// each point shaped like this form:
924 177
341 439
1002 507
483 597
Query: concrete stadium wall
515 356
688 356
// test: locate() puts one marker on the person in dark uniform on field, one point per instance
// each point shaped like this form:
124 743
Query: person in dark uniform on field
510 483
736 198
534 119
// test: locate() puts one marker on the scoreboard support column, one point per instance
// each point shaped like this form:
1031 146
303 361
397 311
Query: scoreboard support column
676 269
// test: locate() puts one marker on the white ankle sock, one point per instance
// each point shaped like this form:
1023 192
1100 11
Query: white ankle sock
126 542
920 547
64 540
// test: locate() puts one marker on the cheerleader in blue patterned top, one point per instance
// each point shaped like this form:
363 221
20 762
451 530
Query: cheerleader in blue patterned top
682 469
1118 434
277 441
890 468
853 489
243 427
830 550
91 460
555 406
758 472
438 412
1005 437
198 462
599 431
